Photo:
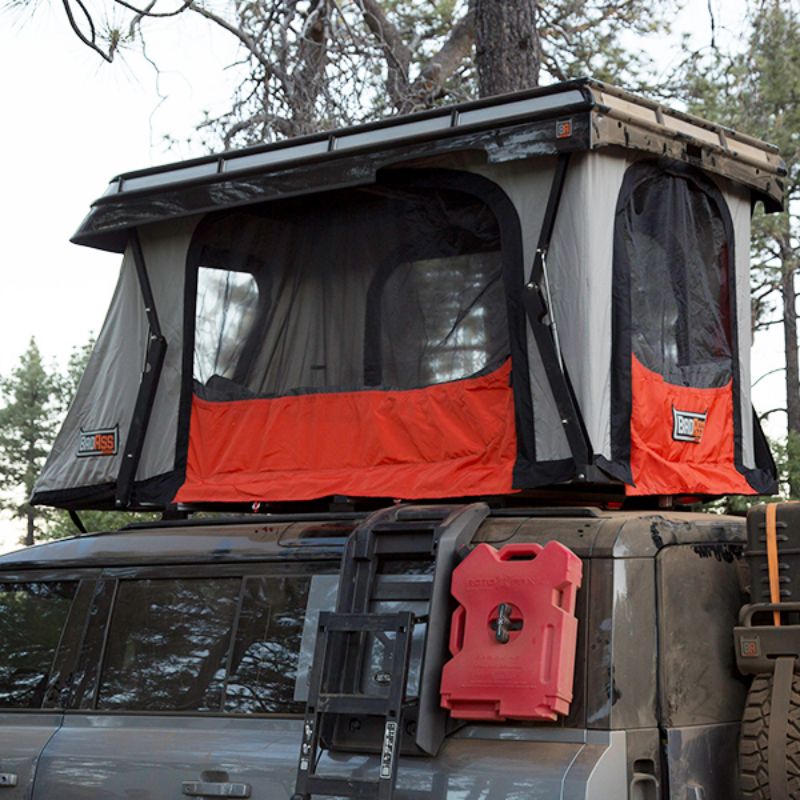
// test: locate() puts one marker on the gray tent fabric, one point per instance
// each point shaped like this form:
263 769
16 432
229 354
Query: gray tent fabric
527 184
580 273
107 391
739 205
579 269
164 248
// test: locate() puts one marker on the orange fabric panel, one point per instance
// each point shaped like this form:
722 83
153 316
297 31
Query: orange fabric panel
701 459
448 440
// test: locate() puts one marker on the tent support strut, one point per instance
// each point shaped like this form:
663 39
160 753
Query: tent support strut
148 384
535 299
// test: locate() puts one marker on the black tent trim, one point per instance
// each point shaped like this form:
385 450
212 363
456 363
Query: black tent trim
154 361
146 495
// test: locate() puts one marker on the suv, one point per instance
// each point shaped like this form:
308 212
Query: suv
173 660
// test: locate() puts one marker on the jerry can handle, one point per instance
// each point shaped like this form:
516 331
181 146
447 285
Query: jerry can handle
457 630
509 551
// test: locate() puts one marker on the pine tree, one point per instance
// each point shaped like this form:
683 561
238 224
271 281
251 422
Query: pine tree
756 89
28 421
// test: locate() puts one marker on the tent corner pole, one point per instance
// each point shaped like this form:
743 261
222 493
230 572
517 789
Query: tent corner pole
148 384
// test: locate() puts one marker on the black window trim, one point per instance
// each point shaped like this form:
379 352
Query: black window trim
528 472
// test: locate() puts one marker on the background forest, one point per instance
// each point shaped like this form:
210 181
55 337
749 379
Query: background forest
309 65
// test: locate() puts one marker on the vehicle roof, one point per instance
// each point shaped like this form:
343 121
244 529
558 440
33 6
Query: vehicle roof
590 532
505 127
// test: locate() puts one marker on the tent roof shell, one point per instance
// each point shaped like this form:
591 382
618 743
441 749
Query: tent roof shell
575 115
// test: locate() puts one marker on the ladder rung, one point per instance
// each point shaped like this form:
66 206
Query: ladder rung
353 704
363 623
403 590
360 788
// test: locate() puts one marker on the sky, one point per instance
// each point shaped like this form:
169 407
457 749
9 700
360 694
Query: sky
71 122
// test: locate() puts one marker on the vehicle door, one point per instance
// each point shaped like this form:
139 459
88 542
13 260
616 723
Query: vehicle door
186 685
38 611
191 683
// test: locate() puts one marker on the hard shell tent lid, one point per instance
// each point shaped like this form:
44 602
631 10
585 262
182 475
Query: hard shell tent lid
543 288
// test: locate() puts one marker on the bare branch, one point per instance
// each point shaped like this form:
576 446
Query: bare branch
763 416
397 54
89 42
767 374
441 66
248 41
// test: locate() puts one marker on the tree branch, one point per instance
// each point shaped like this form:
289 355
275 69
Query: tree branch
91 43
767 374
441 66
394 49
248 41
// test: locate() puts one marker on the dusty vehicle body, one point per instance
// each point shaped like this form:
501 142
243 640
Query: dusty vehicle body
657 697
513 322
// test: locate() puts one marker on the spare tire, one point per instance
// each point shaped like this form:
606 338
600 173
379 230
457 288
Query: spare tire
754 741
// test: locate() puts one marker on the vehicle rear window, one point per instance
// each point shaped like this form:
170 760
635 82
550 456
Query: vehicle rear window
205 645
32 617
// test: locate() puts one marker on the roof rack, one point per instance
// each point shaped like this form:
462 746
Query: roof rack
575 115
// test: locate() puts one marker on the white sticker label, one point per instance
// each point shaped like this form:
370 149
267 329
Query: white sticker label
99 442
688 426
387 754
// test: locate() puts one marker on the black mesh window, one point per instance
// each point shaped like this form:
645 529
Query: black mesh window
32 616
235 294
369 288
431 333
672 240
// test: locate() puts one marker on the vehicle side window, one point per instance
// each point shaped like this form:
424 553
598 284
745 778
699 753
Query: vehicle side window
264 665
204 644
32 617
167 645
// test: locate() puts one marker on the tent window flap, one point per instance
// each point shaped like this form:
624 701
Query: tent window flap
370 327
373 289
674 419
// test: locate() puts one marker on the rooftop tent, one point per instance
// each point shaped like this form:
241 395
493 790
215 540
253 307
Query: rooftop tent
538 289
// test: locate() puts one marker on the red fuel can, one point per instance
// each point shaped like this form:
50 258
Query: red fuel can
514 633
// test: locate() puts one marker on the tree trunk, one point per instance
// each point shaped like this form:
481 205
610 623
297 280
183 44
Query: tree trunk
507 49
31 529
791 351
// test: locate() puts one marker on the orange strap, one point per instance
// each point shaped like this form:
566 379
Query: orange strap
772 560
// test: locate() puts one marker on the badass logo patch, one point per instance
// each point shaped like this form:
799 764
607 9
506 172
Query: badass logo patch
100 442
688 426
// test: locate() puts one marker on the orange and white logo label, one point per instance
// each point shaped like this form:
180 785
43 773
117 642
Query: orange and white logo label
100 442
688 426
